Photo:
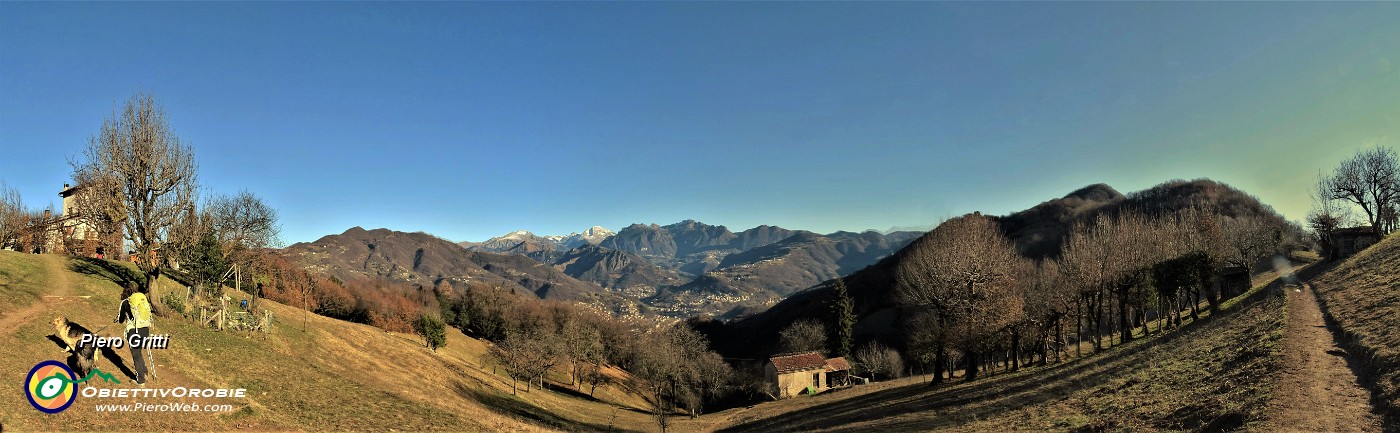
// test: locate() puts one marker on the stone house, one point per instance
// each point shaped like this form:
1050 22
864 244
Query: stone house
790 375
1349 241
68 233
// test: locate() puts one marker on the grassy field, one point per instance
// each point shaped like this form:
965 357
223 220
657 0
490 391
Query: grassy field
22 282
1362 296
333 375
1214 374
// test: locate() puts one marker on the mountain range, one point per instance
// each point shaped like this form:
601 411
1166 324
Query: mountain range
424 259
758 277
677 270
522 241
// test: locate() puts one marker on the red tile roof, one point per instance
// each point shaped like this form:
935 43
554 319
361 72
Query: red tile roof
837 364
799 362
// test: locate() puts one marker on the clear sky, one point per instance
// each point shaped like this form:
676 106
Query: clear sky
469 120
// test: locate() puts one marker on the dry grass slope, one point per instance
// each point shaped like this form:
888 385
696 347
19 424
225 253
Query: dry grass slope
1213 375
334 376
1362 296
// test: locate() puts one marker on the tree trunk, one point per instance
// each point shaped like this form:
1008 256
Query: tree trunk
1125 327
1098 321
1078 329
152 274
970 372
939 361
1015 350
1196 305
1059 337
1215 297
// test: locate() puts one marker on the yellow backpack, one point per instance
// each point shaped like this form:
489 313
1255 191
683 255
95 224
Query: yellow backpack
140 311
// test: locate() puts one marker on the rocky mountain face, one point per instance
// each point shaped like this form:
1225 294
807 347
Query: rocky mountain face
616 271
753 279
524 243
647 241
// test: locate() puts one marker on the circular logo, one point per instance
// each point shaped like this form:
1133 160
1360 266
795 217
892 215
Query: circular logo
48 386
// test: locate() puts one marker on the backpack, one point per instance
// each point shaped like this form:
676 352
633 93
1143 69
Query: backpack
140 310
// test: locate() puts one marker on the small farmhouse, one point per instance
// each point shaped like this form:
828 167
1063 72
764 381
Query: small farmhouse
1349 241
792 374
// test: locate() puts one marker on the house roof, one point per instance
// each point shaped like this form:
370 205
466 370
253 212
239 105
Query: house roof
837 364
799 362
1355 231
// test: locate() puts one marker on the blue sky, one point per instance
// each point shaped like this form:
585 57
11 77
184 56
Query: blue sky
469 120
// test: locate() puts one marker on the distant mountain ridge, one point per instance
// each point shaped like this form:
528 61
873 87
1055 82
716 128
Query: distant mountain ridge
524 242
423 259
677 270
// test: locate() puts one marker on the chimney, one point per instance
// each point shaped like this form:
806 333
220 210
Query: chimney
47 213
65 186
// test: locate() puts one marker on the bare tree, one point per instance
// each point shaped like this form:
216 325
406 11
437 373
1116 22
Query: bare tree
243 223
1371 181
1049 301
1085 265
1327 215
964 273
137 171
876 360
1250 239
802 336
13 218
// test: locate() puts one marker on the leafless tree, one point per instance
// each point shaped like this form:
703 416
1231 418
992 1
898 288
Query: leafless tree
1327 215
243 222
137 171
13 217
1085 265
1049 302
1370 180
964 273
1113 256
526 357
878 361
801 336
1249 240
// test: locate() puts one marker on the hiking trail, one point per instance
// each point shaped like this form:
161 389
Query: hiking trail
62 289
1316 391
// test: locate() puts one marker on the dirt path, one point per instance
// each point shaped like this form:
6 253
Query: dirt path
1317 391
61 292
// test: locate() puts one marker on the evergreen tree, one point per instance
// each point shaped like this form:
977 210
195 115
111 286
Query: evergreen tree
432 329
206 261
843 320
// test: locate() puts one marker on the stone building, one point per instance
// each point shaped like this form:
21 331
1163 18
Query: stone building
68 232
1349 241
790 375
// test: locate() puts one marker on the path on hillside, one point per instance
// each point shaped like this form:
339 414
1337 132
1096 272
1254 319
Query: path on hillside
1317 391
59 293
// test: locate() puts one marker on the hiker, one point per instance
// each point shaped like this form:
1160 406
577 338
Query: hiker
136 313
